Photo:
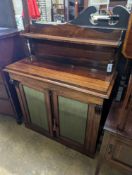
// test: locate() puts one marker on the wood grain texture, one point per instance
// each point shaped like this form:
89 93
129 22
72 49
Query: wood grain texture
92 57
74 93
20 71
72 40
74 45
126 107
93 125
127 47
69 63
61 78
113 119
73 31
116 152
117 143
119 119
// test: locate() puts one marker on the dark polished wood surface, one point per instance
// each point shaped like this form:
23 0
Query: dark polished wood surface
68 81
116 149
12 48
87 84
70 32
113 121
6 32
75 45
117 142
127 47
67 62
25 73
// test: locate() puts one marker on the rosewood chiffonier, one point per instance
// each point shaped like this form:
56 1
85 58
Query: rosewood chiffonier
63 85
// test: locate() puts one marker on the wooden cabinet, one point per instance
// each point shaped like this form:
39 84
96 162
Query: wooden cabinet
119 152
116 149
11 50
63 85
70 117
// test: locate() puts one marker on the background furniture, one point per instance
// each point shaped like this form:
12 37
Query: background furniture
117 142
11 50
127 51
116 148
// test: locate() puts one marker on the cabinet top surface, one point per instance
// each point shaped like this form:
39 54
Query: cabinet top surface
6 32
67 77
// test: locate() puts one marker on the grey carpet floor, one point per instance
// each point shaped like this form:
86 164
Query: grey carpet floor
25 152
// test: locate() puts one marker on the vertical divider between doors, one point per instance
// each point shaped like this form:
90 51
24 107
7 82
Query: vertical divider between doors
56 113
48 98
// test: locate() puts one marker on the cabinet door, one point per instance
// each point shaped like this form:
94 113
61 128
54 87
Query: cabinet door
119 152
72 119
36 107
73 124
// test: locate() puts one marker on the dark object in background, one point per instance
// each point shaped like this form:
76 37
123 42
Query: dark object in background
117 142
11 50
7 15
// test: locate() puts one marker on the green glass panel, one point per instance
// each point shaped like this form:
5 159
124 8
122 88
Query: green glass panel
37 107
73 119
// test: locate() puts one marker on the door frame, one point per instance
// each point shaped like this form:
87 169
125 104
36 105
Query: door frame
92 125
25 110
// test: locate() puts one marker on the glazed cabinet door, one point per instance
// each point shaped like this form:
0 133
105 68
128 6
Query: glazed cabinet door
74 121
36 108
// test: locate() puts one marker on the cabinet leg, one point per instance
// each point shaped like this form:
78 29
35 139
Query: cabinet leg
98 167
19 119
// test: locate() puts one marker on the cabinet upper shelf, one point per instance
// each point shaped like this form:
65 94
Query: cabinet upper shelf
72 40
74 34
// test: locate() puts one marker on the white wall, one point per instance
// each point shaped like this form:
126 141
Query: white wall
18 7
18 13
